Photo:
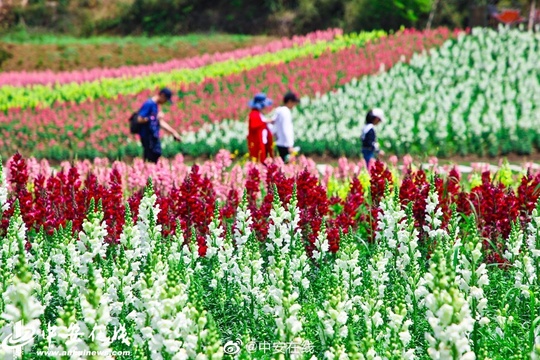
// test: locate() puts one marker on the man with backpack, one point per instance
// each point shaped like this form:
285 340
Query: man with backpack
148 121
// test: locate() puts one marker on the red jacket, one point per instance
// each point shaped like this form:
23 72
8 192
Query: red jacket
260 140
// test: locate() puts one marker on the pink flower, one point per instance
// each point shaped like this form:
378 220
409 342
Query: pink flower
480 167
407 160
343 168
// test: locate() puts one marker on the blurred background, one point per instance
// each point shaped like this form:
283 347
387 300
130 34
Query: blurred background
272 17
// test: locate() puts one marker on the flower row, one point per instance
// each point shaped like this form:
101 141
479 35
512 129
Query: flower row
408 280
225 173
346 197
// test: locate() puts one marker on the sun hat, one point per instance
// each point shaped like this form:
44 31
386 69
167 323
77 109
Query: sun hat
260 101
168 94
378 113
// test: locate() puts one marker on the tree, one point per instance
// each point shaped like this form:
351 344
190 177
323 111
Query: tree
385 14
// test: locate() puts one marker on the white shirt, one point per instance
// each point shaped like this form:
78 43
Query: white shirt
283 127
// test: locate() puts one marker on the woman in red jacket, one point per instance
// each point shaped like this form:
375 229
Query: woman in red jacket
260 141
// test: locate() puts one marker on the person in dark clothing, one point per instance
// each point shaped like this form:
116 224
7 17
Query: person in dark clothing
370 147
152 120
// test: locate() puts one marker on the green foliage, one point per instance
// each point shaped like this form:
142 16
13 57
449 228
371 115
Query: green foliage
388 14
154 17
24 35
157 17
36 14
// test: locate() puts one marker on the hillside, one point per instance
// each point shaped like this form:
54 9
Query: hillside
23 51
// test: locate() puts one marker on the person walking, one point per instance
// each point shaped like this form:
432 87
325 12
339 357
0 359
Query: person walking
259 139
151 120
370 146
283 126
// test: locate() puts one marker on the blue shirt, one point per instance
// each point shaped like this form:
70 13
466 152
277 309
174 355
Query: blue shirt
150 130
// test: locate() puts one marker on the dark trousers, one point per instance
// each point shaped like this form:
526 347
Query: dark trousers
368 155
283 152
149 154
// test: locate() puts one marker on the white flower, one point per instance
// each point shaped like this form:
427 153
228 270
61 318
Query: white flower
3 192
409 355
295 308
172 346
405 337
342 317
329 355
181 355
421 292
377 319
484 321
294 325
477 293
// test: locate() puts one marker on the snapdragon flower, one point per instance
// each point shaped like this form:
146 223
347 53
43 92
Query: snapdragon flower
147 225
3 190
20 304
448 313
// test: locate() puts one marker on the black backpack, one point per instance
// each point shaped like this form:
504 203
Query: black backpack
134 126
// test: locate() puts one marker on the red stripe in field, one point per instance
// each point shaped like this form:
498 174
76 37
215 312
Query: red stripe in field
188 196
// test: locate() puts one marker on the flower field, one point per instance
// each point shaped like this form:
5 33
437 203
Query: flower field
44 89
473 95
98 128
230 260
104 256
435 86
